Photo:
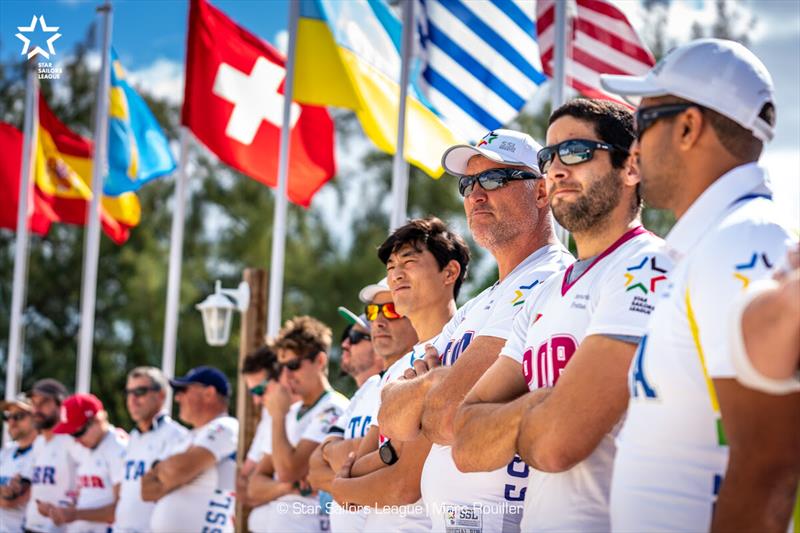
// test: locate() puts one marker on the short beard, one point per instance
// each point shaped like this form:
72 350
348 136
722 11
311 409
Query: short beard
46 422
592 208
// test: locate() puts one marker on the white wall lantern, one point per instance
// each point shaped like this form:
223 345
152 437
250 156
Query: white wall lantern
217 311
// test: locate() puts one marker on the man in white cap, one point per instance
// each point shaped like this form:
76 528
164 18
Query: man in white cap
347 434
698 450
15 458
505 200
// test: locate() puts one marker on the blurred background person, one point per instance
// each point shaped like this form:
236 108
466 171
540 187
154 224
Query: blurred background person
15 457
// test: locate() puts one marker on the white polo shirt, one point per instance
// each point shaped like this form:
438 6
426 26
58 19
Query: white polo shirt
671 454
262 440
484 501
294 512
52 476
132 513
208 501
13 461
97 474
613 295
354 424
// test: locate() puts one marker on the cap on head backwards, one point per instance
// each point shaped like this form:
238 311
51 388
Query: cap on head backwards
715 73
502 146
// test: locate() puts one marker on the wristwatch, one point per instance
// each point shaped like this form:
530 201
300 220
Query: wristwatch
387 453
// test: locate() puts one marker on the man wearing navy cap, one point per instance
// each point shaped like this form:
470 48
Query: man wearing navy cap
193 486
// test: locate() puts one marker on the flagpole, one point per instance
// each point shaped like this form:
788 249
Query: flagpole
92 247
281 200
558 89
399 165
19 286
175 265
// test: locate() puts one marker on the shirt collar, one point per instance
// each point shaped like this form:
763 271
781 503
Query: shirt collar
155 424
735 184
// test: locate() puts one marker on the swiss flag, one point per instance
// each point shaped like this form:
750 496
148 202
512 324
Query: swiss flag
233 103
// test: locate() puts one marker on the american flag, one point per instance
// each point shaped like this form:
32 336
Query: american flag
600 40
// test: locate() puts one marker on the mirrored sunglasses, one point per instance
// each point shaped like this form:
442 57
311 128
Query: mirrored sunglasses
16 417
573 152
493 179
388 310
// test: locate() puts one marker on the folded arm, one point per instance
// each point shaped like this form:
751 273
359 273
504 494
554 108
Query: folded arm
175 471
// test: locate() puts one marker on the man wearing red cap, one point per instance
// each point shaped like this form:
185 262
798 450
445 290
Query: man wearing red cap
84 418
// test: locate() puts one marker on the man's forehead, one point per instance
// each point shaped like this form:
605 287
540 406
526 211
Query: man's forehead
382 297
478 163
286 354
140 380
407 250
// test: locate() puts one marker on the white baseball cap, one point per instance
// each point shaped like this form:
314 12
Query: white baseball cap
368 293
502 146
718 74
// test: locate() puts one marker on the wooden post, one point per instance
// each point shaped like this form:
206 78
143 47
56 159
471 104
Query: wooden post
253 333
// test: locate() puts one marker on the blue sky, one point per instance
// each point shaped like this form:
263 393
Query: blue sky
150 35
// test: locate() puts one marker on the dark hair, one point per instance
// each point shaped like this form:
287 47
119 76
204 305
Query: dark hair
737 140
305 336
262 359
433 234
613 123
346 332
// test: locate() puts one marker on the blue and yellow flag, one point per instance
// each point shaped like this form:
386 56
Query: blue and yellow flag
138 150
348 55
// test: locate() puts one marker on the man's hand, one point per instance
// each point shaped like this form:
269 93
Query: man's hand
44 507
62 515
427 363
278 400
344 472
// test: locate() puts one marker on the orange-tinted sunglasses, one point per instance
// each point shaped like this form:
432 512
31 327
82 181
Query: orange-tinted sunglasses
387 309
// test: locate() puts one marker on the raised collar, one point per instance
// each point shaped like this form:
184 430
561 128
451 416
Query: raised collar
158 420
742 182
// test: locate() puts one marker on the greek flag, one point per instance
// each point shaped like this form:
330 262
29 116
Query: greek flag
480 61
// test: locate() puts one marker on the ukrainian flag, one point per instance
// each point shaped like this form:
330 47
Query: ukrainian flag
138 150
348 55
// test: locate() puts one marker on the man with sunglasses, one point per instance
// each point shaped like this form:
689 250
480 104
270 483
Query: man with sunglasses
557 391
506 205
14 459
425 263
54 458
100 464
699 450
193 484
154 434
302 346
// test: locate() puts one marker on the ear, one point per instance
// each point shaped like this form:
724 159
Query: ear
541 193
451 271
688 128
630 170
321 359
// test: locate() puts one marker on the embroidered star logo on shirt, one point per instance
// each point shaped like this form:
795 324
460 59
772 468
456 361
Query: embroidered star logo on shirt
644 276
752 263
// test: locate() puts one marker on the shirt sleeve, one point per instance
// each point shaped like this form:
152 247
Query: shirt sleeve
719 275
256 450
628 293
322 422
116 466
218 437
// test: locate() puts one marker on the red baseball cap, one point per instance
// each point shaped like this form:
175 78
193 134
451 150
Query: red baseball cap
76 411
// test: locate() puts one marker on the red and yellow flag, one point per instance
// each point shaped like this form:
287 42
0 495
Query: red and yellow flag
63 175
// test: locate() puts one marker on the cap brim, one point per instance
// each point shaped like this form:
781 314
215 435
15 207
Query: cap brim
352 318
632 88
368 293
455 158
14 403
179 383
65 428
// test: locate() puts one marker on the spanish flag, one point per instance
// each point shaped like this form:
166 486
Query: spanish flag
348 55
62 178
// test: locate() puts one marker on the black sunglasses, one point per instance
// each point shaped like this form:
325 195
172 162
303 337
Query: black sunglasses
259 389
357 336
647 116
141 391
573 152
492 179
294 364
16 417
81 432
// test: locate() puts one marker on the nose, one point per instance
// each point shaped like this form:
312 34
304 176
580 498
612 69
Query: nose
477 195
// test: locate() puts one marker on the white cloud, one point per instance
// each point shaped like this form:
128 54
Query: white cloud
281 41
162 79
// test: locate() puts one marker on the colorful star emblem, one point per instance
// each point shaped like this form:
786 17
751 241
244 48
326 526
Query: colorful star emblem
644 279
518 294
488 138
750 265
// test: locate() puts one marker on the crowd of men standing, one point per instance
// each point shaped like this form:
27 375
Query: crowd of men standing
644 385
